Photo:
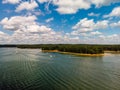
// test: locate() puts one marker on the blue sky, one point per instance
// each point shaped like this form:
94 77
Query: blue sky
59 21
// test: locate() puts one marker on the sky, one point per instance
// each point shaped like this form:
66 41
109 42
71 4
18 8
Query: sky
59 21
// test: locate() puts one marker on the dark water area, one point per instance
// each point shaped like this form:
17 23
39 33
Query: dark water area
30 69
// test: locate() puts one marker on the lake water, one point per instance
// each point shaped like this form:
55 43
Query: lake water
30 69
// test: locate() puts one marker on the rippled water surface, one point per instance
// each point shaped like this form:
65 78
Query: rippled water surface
30 69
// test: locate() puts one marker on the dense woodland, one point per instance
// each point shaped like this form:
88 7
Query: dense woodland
76 48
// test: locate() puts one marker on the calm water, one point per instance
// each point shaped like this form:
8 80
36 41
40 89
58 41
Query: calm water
26 69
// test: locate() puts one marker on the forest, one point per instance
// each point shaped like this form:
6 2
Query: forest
75 48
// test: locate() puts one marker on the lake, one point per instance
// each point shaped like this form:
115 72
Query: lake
30 69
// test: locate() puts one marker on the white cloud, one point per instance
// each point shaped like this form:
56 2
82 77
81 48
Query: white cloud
110 38
102 24
72 6
3 37
86 29
27 30
27 6
11 1
89 34
43 1
93 14
105 39
98 39
95 33
49 19
115 12
102 39
86 25
99 3
43 38
115 24
38 29
17 22
68 6
63 10
2 33
25 24
63 6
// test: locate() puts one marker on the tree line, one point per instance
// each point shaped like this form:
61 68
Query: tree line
75 48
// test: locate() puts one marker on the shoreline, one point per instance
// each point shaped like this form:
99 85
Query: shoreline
76 54
82 54
113 52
